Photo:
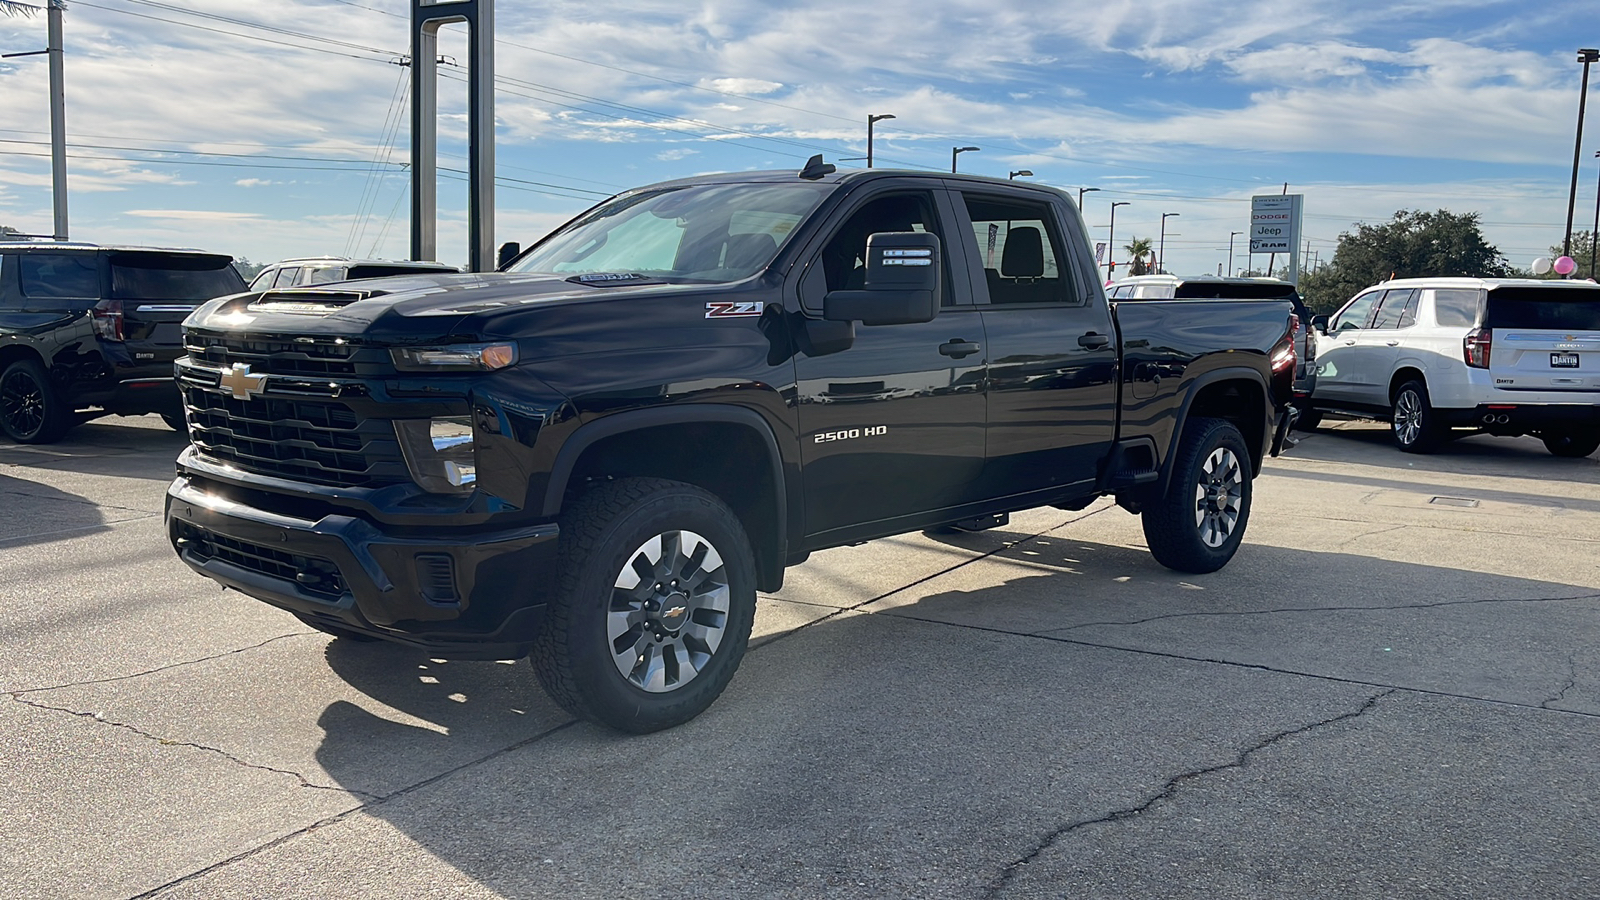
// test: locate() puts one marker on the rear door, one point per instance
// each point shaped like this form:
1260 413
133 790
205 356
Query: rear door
1378 347
1545 338
1052 386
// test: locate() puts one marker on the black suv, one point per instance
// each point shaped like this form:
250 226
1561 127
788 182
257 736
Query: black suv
91 327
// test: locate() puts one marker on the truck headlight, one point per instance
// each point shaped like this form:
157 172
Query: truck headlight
439 453
454 358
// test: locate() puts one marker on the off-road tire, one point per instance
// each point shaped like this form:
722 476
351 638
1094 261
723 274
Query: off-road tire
603 532
31 412
1179 526
1412 422
1571 444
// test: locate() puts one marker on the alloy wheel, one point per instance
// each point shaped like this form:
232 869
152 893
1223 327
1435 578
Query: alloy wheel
1219 497
669 611
1407 417
22 403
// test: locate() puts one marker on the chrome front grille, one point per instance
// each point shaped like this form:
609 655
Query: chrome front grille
306 356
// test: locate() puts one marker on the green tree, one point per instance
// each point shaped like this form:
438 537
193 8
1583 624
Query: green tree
1139 248
1413 244
1582 247
247 269
6 230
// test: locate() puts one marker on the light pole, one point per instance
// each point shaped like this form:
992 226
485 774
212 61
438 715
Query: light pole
1585 56
1081 192
1111 240
1231 236
957 151
870 120
1594 233
1025 173
1161 249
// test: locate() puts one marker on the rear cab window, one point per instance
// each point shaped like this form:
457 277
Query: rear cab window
1456 308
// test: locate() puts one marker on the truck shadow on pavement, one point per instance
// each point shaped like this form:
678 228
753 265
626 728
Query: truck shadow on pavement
949 742
52 514
1369 443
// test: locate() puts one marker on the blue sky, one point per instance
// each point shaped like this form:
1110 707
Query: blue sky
268 130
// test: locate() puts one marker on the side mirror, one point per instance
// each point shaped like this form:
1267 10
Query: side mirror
508 251
902 283
1320 323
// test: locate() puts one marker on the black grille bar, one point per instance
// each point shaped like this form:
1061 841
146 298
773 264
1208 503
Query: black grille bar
311 573
320 441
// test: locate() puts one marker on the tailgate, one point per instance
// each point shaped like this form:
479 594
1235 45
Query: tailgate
158 291
1544 339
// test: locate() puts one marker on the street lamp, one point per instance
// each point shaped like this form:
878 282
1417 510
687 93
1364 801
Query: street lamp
1585 56
1161 249
1081 192
1025 173
1111 240
957 151
1231 236
871 119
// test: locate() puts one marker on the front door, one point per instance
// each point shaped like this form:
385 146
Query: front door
891 429
1337 375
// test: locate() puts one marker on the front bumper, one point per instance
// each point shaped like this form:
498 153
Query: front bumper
481 595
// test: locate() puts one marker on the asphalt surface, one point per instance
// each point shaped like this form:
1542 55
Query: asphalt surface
1389 692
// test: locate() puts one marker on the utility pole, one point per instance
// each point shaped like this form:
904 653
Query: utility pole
58 116
1161 254
1111 240
1585 56
1231 236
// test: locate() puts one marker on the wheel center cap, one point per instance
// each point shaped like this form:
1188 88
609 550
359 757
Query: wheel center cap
674 612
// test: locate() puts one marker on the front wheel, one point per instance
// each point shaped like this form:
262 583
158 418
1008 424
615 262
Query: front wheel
1571 444
653 608
1199 522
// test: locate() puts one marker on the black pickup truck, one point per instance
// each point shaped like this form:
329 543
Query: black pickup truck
598 454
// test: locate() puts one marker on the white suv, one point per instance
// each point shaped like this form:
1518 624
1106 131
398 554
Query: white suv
1498 355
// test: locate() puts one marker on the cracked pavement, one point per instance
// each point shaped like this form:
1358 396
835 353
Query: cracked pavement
1380 696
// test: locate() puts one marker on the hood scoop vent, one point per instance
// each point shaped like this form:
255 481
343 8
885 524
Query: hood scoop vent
311 302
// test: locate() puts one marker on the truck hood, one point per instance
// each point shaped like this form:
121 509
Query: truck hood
425 306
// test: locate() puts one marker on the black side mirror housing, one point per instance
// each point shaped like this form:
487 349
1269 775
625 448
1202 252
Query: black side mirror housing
508 251
902 283
1320 323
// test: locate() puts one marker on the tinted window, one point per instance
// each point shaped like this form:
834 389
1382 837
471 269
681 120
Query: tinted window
59 276
264 280
1234 290
383 271
150 277
844 259
1020 251
1357 313
1456 308
286 277
1393 309
1544 308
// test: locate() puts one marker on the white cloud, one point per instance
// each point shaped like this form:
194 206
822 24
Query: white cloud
254 182
756 86
676 153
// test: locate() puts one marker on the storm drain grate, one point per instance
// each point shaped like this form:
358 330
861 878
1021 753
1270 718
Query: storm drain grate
1463 502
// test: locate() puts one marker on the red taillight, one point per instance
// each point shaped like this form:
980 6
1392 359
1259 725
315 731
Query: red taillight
1283 355
1476 346
108 319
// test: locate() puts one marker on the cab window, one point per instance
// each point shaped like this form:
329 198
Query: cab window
1020 251
844 259
1357 313
59 276
1398 309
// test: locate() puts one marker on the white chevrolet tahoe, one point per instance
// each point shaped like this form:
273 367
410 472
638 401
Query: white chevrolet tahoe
1434 355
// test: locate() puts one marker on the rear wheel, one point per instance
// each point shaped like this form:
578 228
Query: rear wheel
1199 523
1573 444
31 412
1413 423
655 600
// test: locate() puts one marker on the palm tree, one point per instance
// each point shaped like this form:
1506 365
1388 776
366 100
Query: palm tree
1139 248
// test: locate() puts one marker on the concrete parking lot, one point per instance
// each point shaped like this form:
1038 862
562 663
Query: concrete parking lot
1391 691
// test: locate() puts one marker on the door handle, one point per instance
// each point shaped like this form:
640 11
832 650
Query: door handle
957 348
1392 343
1093 341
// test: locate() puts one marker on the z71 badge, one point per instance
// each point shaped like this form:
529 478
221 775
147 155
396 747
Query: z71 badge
734 309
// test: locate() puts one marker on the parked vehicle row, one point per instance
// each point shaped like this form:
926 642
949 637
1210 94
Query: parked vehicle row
1444 357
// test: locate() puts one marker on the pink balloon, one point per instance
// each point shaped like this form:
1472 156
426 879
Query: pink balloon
1565 266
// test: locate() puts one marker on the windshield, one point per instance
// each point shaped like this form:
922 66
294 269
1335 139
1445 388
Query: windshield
710 233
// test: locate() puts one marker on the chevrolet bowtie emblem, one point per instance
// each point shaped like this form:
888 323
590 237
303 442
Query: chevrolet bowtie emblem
238 380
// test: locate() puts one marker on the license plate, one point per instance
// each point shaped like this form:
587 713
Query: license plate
1563 360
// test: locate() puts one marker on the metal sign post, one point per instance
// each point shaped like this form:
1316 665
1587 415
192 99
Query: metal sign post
1275 228
427 17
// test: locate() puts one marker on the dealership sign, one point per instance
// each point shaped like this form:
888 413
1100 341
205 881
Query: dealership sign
1275 223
